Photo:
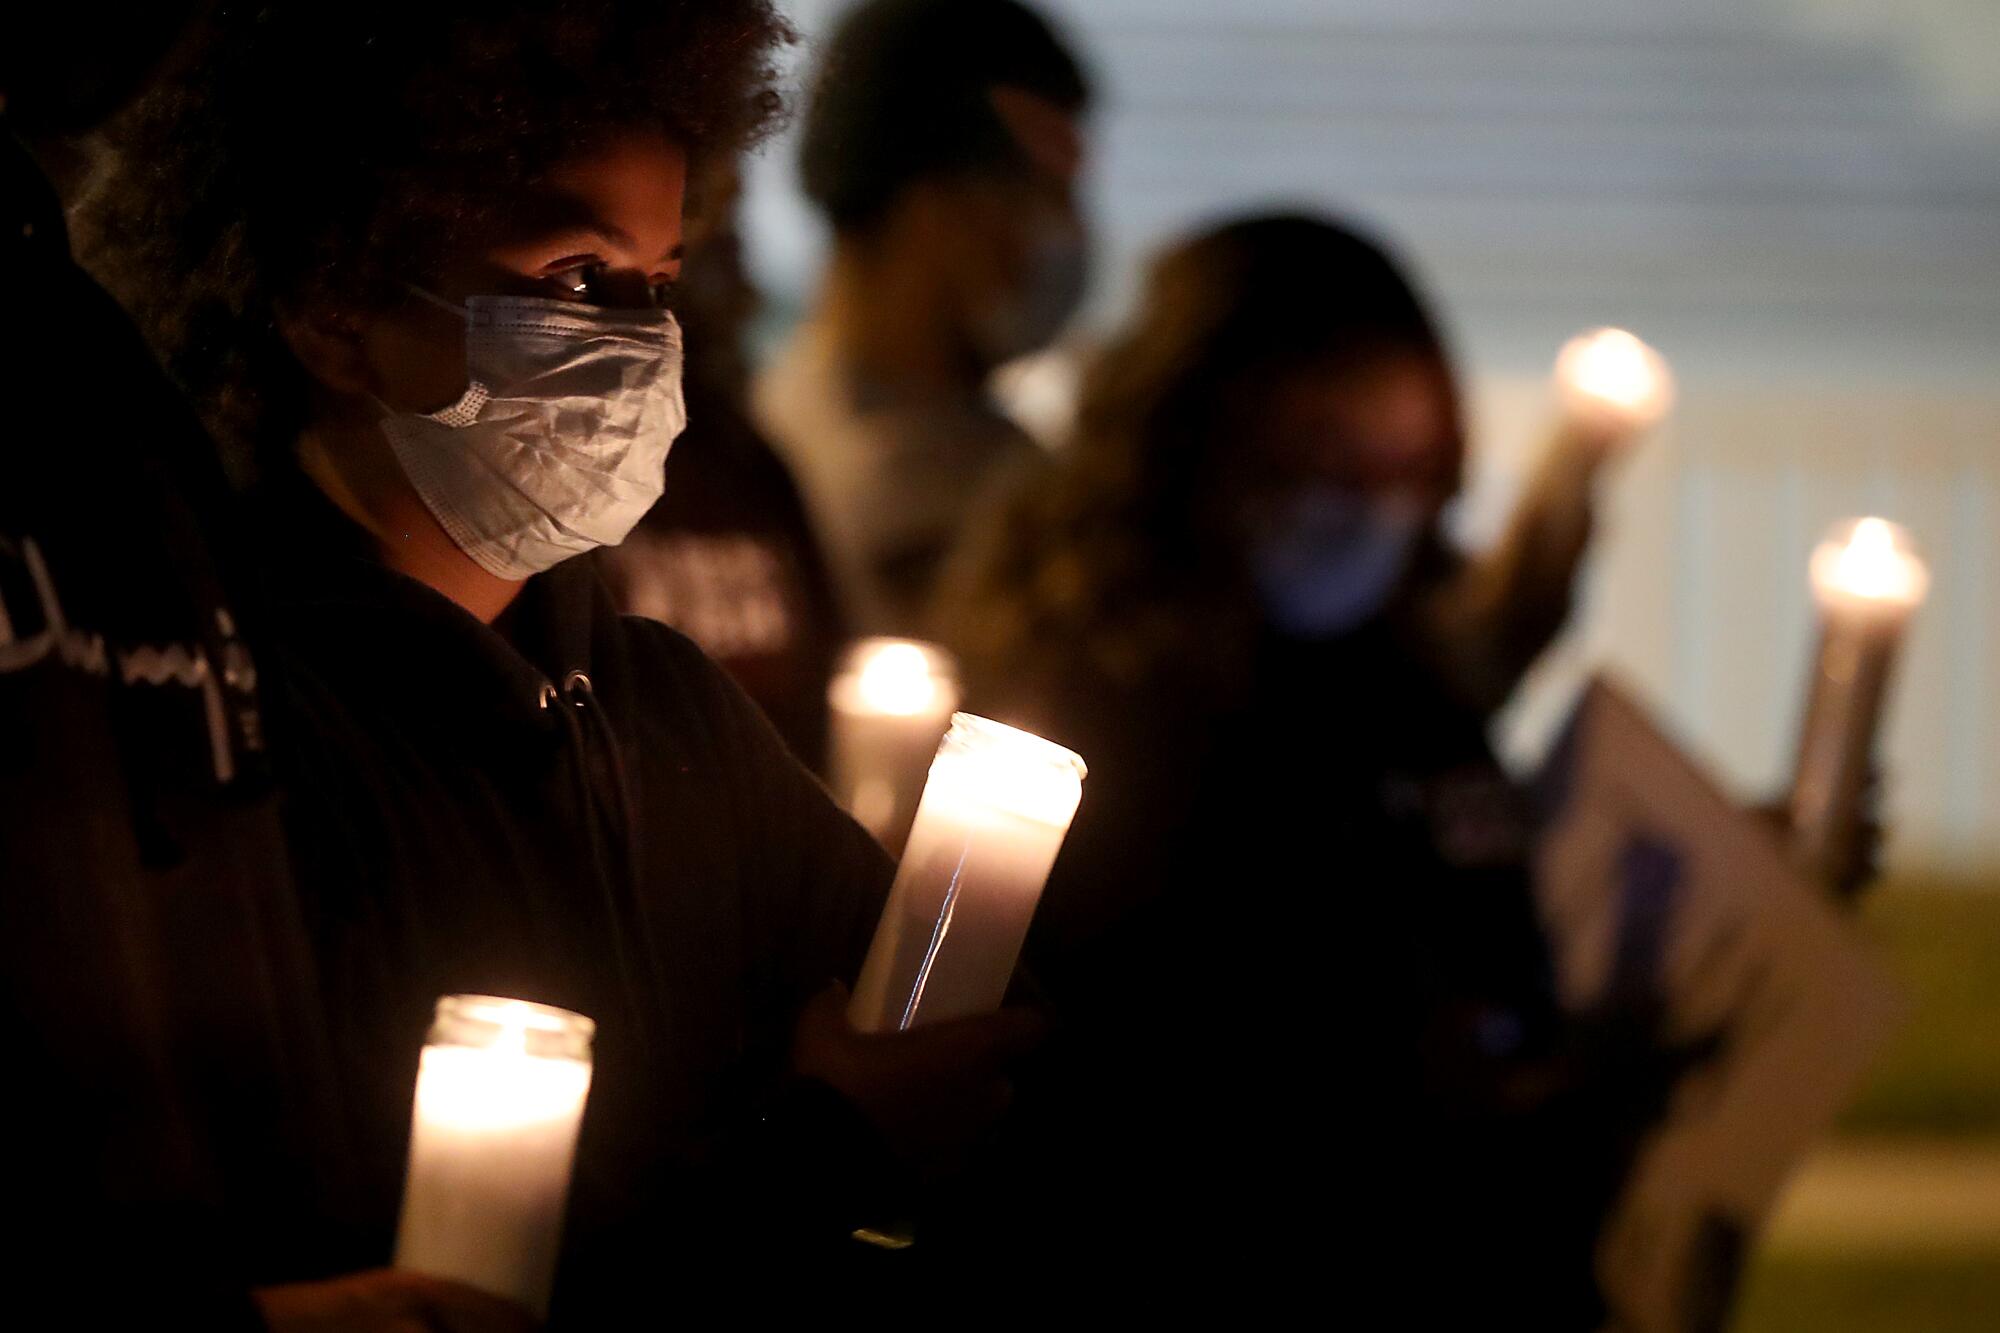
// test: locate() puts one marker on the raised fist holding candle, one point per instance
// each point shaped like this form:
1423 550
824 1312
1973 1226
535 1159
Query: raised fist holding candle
1868 580
1492 619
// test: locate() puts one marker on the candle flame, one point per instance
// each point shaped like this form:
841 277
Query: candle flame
1870 560
1613 372
512 1038
897 678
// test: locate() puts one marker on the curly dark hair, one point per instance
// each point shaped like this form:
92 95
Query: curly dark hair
1124 559
310 150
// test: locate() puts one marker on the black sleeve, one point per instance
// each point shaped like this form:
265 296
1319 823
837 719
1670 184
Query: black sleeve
824 880
817 880
829 878
808 1166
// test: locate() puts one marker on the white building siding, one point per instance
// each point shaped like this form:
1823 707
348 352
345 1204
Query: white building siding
1798 200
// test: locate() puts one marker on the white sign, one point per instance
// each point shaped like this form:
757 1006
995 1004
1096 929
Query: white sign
1657 889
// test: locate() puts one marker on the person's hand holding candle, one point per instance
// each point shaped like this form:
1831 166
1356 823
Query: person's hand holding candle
1868 580
386 1300
931 1091
1488 624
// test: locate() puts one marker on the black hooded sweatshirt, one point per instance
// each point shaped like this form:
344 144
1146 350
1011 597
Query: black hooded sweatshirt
213 1058
574 807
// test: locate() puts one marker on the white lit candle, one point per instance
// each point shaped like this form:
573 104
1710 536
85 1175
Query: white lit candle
892 700
1612 385
500 1095
1868 580
993 817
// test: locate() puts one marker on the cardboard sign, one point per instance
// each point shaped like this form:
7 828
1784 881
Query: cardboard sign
1657 890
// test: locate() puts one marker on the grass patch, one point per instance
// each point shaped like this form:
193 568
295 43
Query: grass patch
1940 1075
1853 1294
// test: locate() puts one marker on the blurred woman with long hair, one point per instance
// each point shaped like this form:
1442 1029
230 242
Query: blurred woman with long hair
1292 930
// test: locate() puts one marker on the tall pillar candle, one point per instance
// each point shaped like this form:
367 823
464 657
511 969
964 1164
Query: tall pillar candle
1612 386
1868 580
891 702
500 1095
993 816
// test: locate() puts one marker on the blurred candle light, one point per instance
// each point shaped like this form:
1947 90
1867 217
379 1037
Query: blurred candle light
500 1095
993 816
891 702
1612 385
1868 580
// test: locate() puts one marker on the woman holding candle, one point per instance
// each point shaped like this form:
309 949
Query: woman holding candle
1262 462
1292 930
414 261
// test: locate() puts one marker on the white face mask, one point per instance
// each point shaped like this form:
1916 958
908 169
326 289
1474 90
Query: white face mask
1333 559
559 443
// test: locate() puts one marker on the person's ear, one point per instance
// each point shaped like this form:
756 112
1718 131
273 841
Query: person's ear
329 345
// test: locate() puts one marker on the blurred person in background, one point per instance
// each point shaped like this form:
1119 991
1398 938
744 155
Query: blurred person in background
728 556
415 264
1291 932
942 143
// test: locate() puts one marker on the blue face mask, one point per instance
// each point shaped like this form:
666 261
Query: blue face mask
1331 559
1051 287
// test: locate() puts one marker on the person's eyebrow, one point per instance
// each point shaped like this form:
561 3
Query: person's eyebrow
560 216
618 238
